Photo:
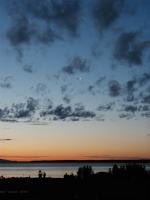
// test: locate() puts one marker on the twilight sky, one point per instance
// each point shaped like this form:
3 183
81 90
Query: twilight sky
74 79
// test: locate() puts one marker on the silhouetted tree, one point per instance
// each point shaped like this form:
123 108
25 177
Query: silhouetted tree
115 169
84 172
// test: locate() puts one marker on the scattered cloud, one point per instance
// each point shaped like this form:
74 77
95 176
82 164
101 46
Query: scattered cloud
144 79
19 111
67 99
6 82
61 112
106 12
125 115
4 113
28 69
91 89
146 114
100 80
25 110
27 25
20 32
66 15
144 108
96 86
130 108
64 88
106 107
146 99
76 65
114 88
129 49
130 86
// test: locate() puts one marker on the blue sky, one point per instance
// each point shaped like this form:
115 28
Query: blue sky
75 62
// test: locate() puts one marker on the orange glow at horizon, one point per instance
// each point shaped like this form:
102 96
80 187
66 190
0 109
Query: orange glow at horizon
78 156
75 141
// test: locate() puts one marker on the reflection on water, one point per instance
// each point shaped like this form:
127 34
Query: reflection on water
56 170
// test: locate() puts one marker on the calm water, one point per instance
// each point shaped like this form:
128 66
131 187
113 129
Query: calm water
56 170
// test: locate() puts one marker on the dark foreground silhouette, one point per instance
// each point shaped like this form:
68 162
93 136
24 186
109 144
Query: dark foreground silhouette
127 182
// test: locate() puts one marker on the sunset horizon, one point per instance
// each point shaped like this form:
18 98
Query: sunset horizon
74 80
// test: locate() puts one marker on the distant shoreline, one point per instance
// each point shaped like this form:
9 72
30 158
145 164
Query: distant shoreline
77 161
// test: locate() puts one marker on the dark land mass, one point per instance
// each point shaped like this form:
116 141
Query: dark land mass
78 161
120 183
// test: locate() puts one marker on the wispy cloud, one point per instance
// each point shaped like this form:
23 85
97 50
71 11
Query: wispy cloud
6 82
5 140
28 68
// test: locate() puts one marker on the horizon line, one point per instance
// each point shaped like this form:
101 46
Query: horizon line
80 160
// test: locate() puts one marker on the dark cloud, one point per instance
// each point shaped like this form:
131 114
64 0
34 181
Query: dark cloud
28 69
106 12
114 88
6 82
39 9
106 107
131 87
129 49
46 36
130 108
136 84
66 99
66 14
130 98
32 111
144 79
100 80
91 89
64 88
126 116
24 110
35 21
61 112
129 111
47 108
146 114
144 108
5 140
4 113
146 99
80 111
76 65
20 32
